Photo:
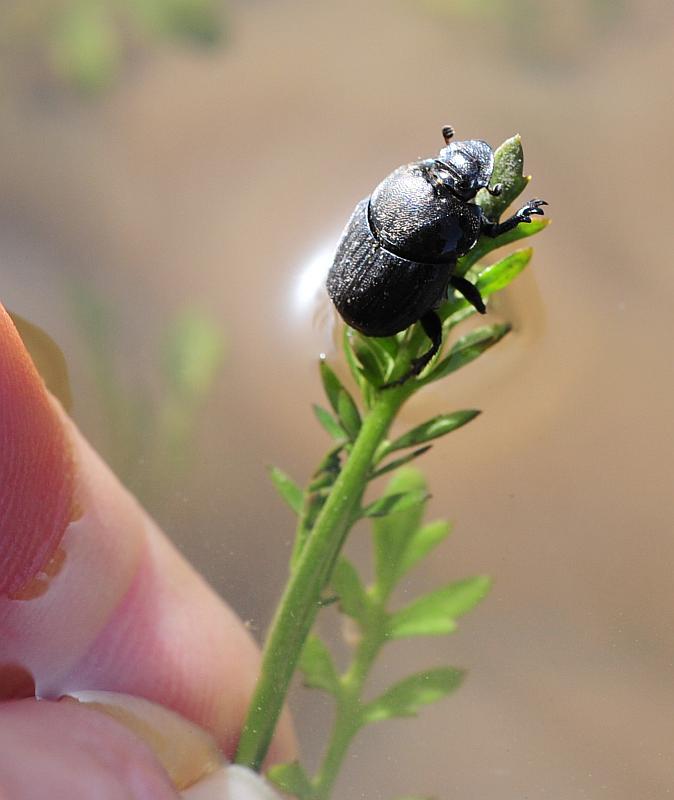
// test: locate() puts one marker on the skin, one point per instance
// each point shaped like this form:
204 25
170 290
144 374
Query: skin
93 596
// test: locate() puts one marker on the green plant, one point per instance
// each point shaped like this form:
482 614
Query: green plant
86 42
151 420
332 503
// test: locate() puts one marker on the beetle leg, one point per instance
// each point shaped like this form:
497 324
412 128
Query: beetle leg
432 326
533 207
493 229
469 291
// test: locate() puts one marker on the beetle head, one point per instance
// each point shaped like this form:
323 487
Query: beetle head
469 167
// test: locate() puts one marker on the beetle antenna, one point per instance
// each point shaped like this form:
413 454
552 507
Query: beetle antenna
447 133
495 190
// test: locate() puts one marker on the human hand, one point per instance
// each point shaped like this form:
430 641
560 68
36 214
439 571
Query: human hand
94 597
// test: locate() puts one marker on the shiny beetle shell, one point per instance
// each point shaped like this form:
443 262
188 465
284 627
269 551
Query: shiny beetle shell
397 255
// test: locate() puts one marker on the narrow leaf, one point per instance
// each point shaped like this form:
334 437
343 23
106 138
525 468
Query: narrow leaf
341 401
194 21
384 347
395 503
422 542
369 365
434 428
329 423
468 348
346 582
85 45
331 384
317 491
399 462
379 353
508 171
351 359
497 276
391 533
348 414
318 668
287 488
407 697
486 244
292 779
193 353
436 613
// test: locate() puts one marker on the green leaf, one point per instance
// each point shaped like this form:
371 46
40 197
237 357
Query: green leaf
399 462
422 542
395 503
85 45
489 280
407 697
499 275
377 356
369 365
436 613
341 401
355 367
318 668
392 533
193 354
486 244
434 428
468 348
508 171
346 582
389 344
331 384
199 21
329 423
292 779
348 414
316 493
287 488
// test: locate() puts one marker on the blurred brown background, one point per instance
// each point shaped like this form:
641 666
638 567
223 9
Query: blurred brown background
166 180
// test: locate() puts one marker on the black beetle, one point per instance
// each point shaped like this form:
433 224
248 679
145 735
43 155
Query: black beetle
396 258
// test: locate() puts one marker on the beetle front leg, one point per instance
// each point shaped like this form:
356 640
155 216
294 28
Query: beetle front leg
533 207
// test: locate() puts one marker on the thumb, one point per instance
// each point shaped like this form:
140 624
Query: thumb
92 594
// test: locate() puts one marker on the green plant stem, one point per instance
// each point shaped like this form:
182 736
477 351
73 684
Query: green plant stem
301 600
349 715
345 727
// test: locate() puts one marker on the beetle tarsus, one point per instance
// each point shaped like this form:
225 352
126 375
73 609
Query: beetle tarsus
525 213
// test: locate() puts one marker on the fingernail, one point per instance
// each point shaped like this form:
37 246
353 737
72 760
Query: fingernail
186 752
231 782
36 473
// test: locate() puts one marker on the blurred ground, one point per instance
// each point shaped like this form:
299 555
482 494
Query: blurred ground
208 179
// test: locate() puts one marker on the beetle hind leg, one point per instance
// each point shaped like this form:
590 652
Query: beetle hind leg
432 326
